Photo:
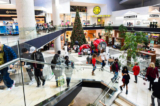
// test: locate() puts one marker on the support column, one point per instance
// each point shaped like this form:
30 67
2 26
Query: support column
56 22
26 19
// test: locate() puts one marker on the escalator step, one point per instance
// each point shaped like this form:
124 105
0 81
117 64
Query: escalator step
114 104
120 102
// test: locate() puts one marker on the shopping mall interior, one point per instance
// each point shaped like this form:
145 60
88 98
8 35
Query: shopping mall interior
79 52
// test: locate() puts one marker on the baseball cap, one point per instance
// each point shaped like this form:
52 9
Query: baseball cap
32 49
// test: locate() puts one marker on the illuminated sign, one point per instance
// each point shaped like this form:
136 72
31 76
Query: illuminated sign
96 10
101 15
131 16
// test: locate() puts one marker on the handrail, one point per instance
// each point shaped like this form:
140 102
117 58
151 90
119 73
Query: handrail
107 91
8 63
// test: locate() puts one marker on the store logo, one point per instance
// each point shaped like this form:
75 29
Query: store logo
96 10
132 16
154 15
7 12
11 12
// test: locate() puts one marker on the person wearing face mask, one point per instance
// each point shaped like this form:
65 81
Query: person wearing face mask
7 54
115 68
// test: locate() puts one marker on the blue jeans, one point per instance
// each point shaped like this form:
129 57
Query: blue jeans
94 67
6 79
115 75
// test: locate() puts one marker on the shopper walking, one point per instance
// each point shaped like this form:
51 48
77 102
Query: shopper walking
152 73
156 93
27 65
38 68
93 63
6 55
136 70
103 58
125 78
68 70
56 69
115 68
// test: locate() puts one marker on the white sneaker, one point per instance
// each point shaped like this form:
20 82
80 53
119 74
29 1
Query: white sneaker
31 82
8 89
14 82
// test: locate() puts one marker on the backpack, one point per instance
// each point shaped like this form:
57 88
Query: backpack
38 56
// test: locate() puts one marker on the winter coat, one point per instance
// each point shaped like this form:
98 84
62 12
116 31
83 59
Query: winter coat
136 70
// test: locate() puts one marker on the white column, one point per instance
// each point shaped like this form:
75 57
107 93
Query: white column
56 21
26 19
55 12
57 44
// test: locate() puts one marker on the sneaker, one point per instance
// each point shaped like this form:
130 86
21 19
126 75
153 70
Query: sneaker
8 89
121 88
135 82
31 82
14 82
116 82
38 86
126 92
43 83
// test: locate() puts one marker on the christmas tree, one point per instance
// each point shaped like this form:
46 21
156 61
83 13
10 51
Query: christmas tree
78 33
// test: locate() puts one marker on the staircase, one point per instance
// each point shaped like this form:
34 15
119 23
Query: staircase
121 101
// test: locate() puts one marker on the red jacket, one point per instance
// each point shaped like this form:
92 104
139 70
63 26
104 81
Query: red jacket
94 61
152 72
136 70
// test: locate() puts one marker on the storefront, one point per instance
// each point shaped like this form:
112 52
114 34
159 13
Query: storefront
9 22
10 16
136 17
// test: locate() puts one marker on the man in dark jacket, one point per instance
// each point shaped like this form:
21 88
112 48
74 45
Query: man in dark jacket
115 69
27 65
38 68
156 93
6 55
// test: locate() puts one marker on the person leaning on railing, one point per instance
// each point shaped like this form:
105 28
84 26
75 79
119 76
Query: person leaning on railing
6 55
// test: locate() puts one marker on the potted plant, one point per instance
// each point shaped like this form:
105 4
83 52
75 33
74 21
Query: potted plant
131 43
108 30
155 24
122 31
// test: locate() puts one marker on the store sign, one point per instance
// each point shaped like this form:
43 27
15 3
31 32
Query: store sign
101 15
79 8
131 16
14 12
96 10
154 15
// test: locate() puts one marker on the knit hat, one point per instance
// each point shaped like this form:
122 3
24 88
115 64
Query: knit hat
32 49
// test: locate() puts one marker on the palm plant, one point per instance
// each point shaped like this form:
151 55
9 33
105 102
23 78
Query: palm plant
122 31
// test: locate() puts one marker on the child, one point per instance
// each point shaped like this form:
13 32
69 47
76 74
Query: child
94 63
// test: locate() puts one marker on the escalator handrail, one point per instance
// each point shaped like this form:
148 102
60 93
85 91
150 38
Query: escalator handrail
107 91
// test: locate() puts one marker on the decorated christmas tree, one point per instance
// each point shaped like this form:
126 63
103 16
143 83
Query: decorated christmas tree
78 33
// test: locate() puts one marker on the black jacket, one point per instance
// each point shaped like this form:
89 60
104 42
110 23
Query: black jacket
114 67
38 56
156 89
